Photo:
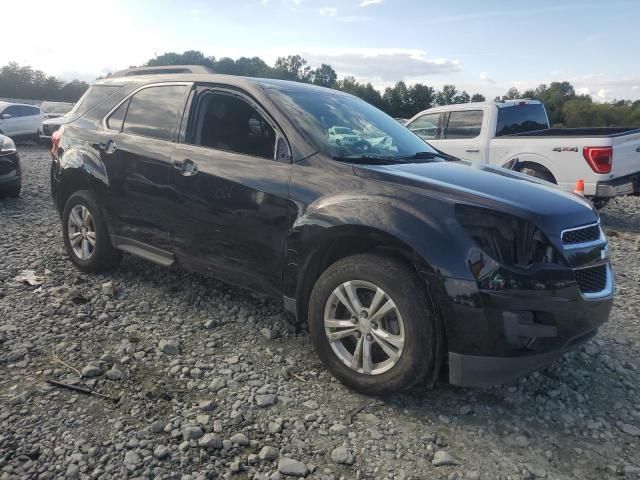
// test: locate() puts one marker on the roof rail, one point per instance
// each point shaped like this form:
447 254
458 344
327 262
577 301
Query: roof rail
163 69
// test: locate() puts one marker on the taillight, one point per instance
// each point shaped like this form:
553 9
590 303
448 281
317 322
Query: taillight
599 158
55 141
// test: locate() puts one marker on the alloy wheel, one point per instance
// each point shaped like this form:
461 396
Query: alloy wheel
364 327
82 232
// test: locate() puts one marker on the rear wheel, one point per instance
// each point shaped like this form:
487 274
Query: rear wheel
86 236
372 324
538 172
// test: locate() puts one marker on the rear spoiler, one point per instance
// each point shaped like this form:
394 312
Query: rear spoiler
164 69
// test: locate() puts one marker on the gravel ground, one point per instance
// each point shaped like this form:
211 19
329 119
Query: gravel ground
214 384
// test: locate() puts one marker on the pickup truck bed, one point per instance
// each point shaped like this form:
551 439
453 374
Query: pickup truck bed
604 132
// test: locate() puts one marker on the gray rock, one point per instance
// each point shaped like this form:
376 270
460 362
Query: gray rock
240 439
192 433
269 453
161 452
311 404
629 429
114 374
442 457
132 458
289 466
157 426
170 346
91 371
210 440
265 400
342 455
207 405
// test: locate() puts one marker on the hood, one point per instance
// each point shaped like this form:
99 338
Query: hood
490 187
56 120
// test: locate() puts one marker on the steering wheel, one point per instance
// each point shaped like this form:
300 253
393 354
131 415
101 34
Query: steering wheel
363 145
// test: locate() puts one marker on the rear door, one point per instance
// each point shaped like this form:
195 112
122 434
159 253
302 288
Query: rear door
32 119
230 179
462 135
136 148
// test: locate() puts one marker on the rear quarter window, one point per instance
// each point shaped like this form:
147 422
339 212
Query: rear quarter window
523 118
93 97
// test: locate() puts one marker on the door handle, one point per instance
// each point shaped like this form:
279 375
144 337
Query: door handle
473 150
187 167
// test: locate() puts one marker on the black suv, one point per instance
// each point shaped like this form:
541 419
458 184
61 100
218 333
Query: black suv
402 260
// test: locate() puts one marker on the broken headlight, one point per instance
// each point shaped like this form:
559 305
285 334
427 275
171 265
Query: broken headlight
508 240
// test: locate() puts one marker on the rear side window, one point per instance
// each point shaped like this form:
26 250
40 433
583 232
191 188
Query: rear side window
527 117
93 97
153 111
226 122
427 126
28 111
464 124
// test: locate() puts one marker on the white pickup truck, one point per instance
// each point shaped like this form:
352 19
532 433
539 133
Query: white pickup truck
515 134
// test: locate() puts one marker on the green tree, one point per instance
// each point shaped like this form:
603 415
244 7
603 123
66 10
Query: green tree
324 75
477 97
446 95
293 67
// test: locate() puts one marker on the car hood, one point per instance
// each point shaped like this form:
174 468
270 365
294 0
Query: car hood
491 187
56 120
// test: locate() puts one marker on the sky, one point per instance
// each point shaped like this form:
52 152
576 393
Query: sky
479 46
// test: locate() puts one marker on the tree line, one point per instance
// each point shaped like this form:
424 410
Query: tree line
27 83
564 106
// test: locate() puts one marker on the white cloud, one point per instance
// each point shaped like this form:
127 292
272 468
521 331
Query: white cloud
354 19
583 91
635 87
484 76
328 11
382 65
366 3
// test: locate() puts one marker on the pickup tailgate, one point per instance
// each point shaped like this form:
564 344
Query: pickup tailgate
626 154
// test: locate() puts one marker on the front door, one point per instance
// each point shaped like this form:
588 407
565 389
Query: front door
231 191
14 125
136 150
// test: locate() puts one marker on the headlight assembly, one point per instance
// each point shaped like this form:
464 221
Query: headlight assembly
508 240
7 146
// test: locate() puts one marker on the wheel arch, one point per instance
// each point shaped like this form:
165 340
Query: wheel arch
341 241
533 161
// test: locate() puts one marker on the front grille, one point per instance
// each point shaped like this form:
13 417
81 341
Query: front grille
581 235
592 280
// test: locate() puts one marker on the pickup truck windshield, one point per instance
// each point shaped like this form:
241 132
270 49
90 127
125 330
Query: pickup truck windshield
345 127
521 118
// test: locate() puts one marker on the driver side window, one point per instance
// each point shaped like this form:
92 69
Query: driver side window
226 122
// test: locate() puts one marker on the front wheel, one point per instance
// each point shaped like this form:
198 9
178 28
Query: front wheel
372 324
86 236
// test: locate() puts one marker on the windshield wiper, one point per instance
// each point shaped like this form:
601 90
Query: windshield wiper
428 156
365 159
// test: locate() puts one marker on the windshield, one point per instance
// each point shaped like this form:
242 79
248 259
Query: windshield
345 127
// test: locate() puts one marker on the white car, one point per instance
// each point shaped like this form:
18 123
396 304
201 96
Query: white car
20 120
341 136
515 134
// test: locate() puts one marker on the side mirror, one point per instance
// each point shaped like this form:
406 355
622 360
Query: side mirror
5 116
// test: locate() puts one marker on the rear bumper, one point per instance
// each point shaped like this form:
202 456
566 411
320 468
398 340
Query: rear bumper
627 185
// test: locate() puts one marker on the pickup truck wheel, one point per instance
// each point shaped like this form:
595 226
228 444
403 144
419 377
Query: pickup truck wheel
372 324
86 236
539 172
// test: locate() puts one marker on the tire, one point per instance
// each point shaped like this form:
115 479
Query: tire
538 172
412 309
99 257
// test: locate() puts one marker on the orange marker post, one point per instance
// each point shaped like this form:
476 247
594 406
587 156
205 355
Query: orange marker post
579 188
